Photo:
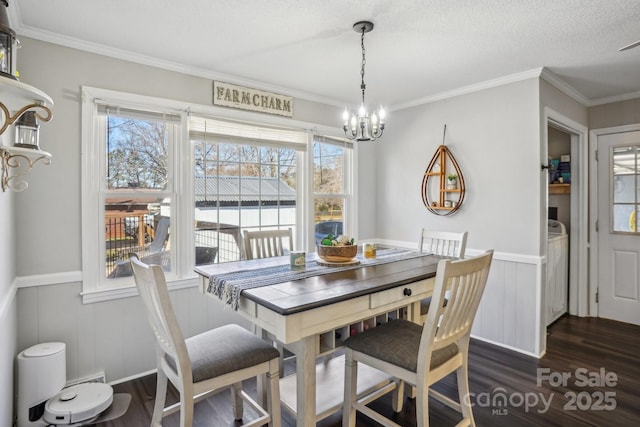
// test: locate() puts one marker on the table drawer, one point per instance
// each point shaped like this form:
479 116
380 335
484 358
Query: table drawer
397 295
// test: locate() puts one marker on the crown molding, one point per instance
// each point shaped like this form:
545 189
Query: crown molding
512 78
551 78
74 43
612 99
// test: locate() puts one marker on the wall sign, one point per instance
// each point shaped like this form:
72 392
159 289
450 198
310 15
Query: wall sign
244 98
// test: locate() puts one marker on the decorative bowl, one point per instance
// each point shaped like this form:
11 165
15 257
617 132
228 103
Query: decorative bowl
337 253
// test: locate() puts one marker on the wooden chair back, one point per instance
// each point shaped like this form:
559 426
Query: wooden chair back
152 286
464 281
267 243
443 243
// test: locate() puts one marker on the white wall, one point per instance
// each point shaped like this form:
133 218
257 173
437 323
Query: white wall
8 312
495 136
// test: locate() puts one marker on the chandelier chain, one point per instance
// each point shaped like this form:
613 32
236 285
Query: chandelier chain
364 61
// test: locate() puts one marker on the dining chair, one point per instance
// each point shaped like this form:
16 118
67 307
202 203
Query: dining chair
206 363
267 243
421 355
443 243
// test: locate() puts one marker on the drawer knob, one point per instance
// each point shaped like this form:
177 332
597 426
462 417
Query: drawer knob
406 292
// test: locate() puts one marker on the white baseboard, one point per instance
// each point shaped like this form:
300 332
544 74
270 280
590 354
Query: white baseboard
507 347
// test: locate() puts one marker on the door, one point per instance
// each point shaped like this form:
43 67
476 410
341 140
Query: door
619 235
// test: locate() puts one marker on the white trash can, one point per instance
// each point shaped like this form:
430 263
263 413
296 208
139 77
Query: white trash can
42 373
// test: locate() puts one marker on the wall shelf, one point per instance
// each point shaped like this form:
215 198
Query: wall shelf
436 188
559 188
15 99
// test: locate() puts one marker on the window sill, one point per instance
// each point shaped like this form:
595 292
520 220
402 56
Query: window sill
103 295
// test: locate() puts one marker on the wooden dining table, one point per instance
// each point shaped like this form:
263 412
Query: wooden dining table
312 316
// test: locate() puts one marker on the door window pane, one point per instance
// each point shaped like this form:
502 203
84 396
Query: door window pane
626 188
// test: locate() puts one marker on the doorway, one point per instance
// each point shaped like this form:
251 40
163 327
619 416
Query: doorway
575 211
559 152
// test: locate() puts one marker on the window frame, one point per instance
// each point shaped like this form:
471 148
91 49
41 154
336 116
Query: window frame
94 288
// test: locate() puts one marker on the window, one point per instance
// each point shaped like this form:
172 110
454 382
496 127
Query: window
626 191
331 186
128 192
178 188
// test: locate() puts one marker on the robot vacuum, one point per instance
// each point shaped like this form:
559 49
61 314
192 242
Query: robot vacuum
78 405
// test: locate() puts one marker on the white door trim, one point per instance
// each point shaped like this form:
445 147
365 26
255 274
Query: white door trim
593 258
579 240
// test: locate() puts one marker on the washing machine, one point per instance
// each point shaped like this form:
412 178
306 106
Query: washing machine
557 271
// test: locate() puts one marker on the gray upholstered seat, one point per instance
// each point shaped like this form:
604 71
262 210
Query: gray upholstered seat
397 342
426 303
225 349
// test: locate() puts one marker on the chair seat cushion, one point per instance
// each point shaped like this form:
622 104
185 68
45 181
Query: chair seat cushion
397 342
426 303
225 349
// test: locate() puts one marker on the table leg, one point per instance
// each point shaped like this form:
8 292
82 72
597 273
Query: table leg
306 382
261 386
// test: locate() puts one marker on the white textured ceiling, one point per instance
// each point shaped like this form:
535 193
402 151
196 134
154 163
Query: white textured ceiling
419 49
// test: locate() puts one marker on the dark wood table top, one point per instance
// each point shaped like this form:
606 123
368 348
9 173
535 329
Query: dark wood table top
318 291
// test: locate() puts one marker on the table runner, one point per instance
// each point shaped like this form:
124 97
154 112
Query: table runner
229 286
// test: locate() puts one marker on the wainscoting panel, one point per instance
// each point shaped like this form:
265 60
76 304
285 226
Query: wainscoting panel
508 314
113 336
8 322
110 336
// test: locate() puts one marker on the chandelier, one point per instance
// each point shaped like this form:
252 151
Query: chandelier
362 125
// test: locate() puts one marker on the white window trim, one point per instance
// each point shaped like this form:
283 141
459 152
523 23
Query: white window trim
183 217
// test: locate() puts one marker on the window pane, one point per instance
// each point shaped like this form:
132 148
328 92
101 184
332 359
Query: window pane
626 188
140 226
242 187
137 153
622 218
328 163
328 217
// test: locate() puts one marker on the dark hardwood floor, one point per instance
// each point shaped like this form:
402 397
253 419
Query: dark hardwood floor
590 376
